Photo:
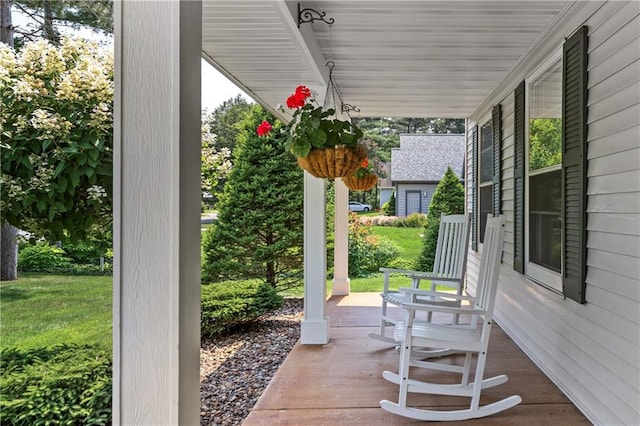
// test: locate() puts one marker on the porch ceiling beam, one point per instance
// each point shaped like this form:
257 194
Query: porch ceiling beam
307 43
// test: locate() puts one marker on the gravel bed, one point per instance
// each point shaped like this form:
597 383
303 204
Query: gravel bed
235 369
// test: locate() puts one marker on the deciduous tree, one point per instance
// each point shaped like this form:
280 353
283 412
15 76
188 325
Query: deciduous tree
57 137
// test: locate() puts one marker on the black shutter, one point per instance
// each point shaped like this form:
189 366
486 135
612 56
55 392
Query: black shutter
474 189
574 165
518 179
496 124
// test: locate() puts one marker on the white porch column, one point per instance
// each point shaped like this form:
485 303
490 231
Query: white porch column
156 300
315 327
341 283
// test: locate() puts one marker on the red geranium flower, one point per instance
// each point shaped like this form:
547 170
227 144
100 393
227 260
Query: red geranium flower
303 91
365 163
297 100
264 128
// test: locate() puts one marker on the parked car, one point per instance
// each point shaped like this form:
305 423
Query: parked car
355 206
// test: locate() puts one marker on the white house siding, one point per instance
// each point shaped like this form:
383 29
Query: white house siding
590 351
401 196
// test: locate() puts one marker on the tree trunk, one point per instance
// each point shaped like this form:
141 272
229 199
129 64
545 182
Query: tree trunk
9 253
6 25
49 30
9 233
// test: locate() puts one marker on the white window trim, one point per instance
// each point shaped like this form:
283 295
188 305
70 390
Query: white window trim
541 275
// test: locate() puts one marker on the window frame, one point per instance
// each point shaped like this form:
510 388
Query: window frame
487 120
541 275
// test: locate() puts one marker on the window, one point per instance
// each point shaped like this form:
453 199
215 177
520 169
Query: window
485 180
544 174
486 174
550 171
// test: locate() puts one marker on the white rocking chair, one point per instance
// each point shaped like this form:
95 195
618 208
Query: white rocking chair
449 269
470 339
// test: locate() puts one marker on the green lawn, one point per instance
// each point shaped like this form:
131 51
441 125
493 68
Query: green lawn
41 310
409 239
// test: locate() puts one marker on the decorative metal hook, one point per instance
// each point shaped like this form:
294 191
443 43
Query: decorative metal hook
349 107
309 15
330 65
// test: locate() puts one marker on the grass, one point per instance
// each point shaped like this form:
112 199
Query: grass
41 310
408 239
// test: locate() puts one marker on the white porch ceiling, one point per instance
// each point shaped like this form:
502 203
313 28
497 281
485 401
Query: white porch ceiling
392 58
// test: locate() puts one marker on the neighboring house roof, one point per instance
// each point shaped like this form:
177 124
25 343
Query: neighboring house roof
425 157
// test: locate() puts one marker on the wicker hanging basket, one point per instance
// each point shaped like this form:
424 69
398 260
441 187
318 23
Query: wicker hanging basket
333 162
363 183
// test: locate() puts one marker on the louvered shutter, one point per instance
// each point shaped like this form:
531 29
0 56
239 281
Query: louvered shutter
474 189
496 124
574 165
518 179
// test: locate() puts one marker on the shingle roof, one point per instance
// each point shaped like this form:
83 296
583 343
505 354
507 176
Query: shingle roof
425 157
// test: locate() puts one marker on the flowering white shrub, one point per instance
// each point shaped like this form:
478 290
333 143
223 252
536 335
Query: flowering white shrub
215 164
56 136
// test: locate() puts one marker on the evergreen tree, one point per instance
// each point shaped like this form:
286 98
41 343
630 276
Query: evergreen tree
259 232
389 207
448 199
47 16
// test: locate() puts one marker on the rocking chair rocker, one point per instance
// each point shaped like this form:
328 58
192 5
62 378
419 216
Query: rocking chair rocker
470 339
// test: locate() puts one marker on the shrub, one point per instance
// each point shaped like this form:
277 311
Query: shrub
42 257
447 199
86 252
63 384
228 305
368 253
378 220
414 220
389 208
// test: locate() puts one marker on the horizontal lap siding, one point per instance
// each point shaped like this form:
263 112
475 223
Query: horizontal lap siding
590 351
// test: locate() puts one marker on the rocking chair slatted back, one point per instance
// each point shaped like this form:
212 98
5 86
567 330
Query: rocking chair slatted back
451 248
449 269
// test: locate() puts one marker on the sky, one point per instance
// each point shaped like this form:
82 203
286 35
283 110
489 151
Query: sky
216 88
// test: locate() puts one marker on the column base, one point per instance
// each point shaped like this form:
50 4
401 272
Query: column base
341 287
314 332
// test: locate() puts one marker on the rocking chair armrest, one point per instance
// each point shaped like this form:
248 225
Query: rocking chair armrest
442 294
440 308
420 274
397 271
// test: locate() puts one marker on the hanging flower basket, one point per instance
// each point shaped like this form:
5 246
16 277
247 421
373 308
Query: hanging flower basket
364 183
333 162
324 145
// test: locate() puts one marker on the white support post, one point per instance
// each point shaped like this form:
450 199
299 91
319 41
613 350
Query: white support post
315 327
341 283
156 299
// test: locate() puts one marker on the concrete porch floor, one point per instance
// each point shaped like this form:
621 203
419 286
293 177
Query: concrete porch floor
341 383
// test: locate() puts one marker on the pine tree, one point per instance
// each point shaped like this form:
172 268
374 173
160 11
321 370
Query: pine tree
448 199
259 232
389 207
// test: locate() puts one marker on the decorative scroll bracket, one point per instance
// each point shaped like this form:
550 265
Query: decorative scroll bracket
310 15
348 107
